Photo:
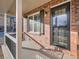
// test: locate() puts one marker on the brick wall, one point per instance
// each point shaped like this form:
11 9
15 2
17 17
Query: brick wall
74 25
74 17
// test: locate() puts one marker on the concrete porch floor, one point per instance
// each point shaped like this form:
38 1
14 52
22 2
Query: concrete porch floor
31 52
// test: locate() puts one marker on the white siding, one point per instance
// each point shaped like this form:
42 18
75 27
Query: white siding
1 21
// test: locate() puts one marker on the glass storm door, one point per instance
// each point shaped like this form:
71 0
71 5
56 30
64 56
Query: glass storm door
60 26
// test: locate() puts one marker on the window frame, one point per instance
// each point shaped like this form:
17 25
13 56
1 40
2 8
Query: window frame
67 5
34 23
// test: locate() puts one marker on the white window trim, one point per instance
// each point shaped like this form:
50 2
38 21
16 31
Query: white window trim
34 14
60 3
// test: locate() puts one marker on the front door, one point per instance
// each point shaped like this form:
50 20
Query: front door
60 25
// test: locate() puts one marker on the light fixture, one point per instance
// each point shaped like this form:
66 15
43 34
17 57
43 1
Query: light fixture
45 13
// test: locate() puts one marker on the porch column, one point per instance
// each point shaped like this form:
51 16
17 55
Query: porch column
19 29
5 26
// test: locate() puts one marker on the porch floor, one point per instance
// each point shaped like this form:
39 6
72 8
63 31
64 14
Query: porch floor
30 52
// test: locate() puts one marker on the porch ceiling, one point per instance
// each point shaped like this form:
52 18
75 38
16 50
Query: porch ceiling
5 5
32 4
28 5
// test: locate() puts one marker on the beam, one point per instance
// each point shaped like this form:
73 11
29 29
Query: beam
5 26
19 29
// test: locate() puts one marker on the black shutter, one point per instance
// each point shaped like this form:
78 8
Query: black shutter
28 27
41 22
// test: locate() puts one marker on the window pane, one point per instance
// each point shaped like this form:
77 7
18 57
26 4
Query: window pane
31 23
62 20
36 23
11 24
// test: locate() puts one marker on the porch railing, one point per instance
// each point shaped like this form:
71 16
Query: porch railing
55 52
34 40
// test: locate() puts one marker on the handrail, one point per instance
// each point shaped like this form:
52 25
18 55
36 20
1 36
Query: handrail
56 49
34 40
41 44
37 42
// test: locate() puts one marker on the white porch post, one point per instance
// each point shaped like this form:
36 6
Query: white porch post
19 29
5 26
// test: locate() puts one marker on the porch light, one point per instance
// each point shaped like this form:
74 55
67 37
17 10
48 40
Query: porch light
45 13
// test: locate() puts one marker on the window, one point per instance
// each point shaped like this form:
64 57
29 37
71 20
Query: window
35 23
60 26
31 23
11 24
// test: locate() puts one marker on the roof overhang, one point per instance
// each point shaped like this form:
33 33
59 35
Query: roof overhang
27 5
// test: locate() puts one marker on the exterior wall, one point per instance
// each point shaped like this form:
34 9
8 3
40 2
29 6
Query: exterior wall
74 27
24 24
45 39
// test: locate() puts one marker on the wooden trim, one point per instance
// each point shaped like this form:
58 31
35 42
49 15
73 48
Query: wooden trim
19 29
5 27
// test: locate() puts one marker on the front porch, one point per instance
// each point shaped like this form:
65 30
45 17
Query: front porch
32 50
40 29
